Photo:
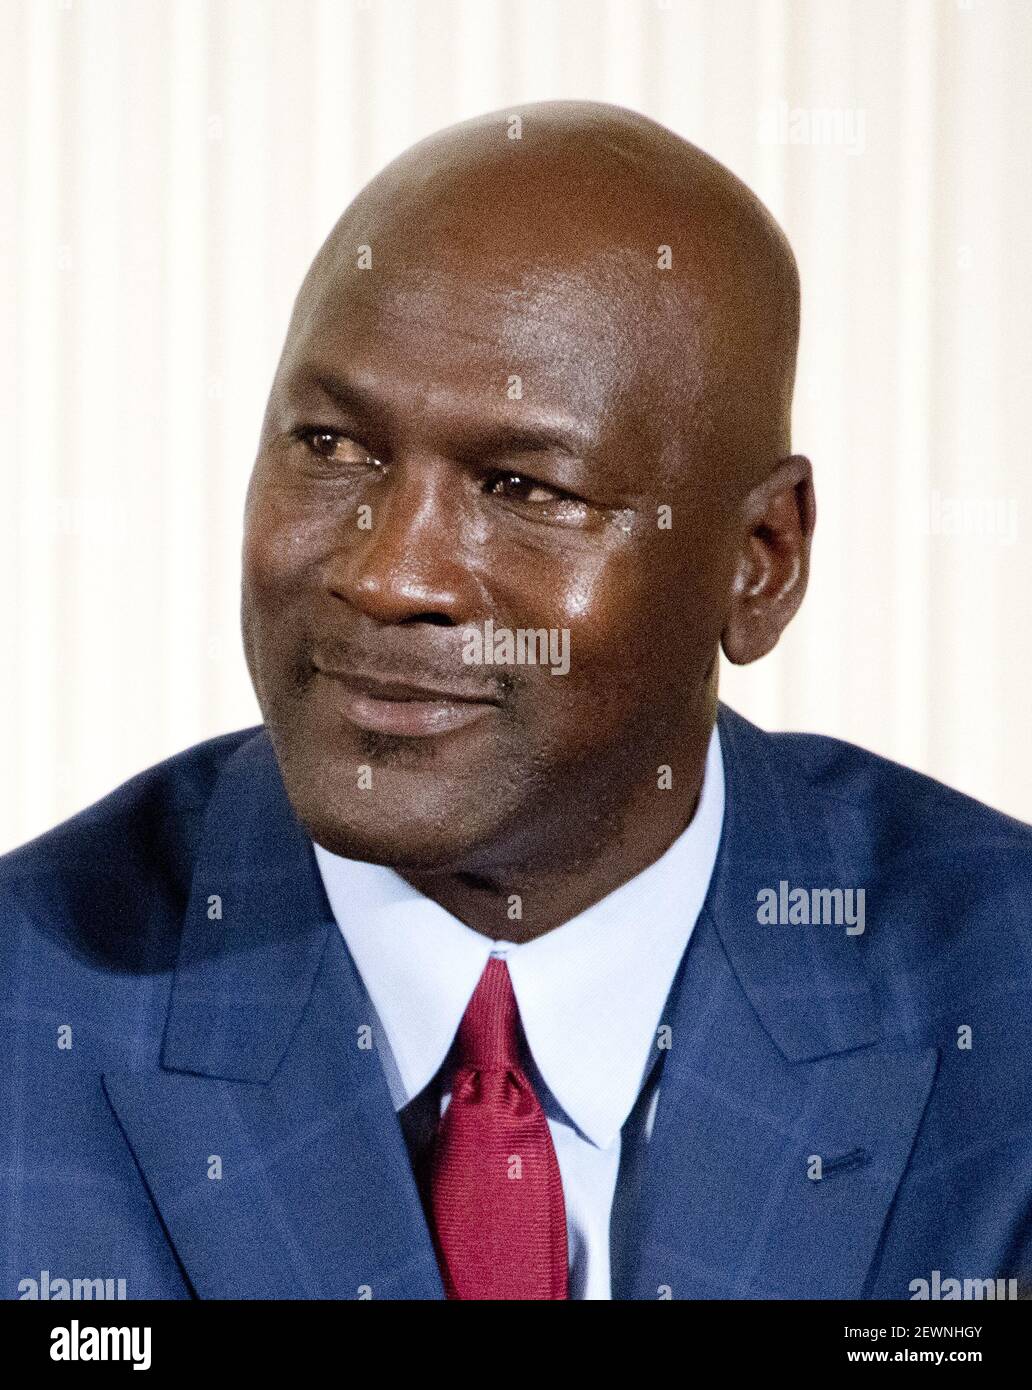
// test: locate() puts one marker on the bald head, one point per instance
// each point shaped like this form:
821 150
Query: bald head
654 272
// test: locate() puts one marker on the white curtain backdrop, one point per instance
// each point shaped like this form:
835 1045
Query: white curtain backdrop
169 167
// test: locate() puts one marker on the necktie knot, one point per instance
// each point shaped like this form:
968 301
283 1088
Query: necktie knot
487 1033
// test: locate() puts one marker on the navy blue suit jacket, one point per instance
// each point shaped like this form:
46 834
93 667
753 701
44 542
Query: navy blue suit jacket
148 1044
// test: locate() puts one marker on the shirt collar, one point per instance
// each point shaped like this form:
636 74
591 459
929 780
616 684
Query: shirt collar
590 993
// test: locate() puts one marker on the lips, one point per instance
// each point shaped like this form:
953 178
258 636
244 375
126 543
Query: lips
397 707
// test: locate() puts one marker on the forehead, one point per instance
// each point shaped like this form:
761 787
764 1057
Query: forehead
445 332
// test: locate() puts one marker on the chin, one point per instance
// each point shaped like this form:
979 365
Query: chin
407 848
409 819
403 831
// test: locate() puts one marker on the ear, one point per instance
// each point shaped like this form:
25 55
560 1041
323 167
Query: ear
778 518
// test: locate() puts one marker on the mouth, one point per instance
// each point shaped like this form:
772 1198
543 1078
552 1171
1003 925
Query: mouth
397 707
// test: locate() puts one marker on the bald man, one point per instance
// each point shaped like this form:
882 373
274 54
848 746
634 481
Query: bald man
502 961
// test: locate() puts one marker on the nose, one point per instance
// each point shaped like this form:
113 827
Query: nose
411 563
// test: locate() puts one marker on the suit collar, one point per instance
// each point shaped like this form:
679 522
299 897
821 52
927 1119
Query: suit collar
255 929
807 984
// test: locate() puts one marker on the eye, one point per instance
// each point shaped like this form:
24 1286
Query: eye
539 501
336 447
520 489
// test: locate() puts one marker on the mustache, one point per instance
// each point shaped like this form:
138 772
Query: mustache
395 663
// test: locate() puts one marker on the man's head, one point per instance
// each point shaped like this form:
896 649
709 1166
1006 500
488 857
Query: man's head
529 383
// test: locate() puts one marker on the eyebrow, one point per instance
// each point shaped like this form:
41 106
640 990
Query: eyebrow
545 435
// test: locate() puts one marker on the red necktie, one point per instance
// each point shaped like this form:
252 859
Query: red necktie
496 1197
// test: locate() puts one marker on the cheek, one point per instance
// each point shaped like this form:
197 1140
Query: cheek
642 629
572 585
596 612
282 537
608 605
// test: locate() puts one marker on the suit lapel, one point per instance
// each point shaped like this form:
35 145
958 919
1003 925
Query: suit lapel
777 1071
268 1140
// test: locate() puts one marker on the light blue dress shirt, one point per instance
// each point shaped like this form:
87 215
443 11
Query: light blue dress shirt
590 994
